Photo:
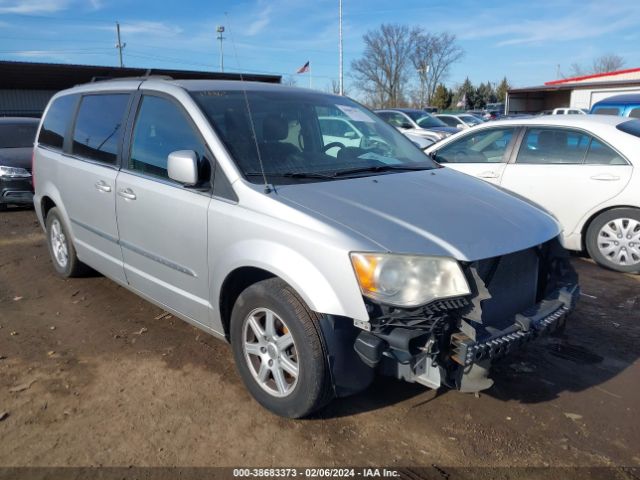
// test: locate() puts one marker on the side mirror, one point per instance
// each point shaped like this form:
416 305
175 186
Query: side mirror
406 125
182 166
461 126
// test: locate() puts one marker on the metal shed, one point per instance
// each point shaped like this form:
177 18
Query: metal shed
575 92
26 87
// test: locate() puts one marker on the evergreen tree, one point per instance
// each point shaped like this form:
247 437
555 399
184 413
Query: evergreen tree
501 91
441 97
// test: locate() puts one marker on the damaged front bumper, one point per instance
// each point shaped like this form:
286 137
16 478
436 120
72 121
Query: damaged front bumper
515 299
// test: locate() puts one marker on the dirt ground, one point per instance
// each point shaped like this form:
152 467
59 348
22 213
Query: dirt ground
91 376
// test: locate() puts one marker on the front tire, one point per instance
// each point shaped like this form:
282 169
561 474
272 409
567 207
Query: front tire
278 350
63 253
613 239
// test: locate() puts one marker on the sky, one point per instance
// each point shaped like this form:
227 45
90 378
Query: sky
525 41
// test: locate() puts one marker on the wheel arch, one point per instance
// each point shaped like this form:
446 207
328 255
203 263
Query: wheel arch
592 217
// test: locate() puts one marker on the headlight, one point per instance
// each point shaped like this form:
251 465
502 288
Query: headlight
408 280
13 172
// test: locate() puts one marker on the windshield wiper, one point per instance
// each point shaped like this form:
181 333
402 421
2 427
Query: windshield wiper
380 168
292 175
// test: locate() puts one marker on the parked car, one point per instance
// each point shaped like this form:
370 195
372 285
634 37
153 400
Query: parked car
497 107
417 122
492 114
461 121
430 109
579 167
622 105
569 111
319 268
17 136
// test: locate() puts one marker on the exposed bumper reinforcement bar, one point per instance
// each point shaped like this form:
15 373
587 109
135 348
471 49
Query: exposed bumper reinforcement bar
546 317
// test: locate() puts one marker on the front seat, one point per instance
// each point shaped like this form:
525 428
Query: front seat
275 128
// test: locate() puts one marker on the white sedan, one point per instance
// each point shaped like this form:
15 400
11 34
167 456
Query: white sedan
584 169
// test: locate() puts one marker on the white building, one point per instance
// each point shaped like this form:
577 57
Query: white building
576 92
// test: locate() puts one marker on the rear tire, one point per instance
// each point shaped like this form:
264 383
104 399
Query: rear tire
293 381
613 240
63 253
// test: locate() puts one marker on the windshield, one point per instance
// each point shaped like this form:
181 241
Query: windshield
425 120
305 136
17 135
470 119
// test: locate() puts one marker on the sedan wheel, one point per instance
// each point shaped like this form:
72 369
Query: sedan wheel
613 239
619 241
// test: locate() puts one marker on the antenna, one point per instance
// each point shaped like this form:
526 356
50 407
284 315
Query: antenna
267 187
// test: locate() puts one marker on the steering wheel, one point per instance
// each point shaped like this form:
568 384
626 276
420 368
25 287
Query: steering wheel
331 145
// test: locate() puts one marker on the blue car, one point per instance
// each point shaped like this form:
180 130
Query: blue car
619 105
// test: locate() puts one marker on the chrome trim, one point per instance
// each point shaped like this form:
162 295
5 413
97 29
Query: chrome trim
156 258
136 249
100 233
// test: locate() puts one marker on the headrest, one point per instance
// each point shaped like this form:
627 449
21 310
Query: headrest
274 128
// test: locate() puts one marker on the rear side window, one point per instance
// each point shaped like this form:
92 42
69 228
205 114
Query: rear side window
55 123
635 113
99 126
607 111
553 146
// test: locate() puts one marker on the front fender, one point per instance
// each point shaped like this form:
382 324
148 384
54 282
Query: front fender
334 291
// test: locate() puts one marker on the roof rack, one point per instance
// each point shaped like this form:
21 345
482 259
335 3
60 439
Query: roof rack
146 76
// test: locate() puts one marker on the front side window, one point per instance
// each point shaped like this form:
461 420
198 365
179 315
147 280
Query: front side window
305 136
18 135
161 127
99 127
482 146
396 119
553 146
56 121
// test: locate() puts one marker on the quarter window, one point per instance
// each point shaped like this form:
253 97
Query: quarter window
602 154
161 127
99 126
484 146
55 123
553 146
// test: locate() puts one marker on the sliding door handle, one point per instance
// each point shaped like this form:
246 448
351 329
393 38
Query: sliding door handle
127 193
102 186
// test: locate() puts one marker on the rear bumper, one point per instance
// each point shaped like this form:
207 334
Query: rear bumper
16 191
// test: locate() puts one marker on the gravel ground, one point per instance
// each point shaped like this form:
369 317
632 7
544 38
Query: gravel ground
91 375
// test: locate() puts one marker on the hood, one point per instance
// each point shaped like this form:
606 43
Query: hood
433 212
16 157
450 130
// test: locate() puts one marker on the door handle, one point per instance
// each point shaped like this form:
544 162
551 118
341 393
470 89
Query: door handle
127 193
606 177
488 175
102 186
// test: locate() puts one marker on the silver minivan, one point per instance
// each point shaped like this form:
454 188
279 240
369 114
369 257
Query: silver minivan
321 262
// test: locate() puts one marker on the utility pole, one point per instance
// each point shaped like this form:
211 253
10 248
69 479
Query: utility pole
220 31
119 45
340 81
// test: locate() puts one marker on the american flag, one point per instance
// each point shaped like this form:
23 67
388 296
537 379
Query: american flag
304 68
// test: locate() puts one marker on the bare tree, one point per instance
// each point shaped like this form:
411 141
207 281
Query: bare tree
432 58
383 70
608 63
334 87
603 64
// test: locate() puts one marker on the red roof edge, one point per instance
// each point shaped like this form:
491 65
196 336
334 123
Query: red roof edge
587 77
